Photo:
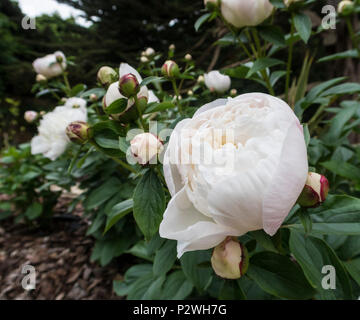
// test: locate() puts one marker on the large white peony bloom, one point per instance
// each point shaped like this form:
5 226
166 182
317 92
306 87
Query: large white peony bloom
215 81
48 65
258 170
52 140
75 102
244 13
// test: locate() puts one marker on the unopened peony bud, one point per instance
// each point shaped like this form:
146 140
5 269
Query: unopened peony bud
188 57
30 116
42 113
141 103
59 57
170 69
40 78
129 85
78 132
93 97
230 259
63 100
144 59
201 79
315 191
106 75
172 47
345 7
149 52
190 93
233 92
145 147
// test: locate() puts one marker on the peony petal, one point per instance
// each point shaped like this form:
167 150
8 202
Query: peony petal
171 173
211 105
193 230
285 188
152 97
126 68
39 145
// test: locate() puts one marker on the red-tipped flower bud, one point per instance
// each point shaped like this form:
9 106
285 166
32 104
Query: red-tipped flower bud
230 259
170 69
106 76
93 97
129 85
78 132
145 147
315 191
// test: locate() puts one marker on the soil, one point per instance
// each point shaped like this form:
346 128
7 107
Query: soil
60 254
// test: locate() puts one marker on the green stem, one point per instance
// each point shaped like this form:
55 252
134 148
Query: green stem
176 91
122 163
289 62
141 119
352 34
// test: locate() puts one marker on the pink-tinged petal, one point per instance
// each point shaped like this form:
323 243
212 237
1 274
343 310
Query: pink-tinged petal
126 68
193 230
288 181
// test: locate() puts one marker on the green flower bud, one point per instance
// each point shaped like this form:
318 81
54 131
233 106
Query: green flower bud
141 103
78 132
315 191
129 85
345 7
106 75
170 69
230 259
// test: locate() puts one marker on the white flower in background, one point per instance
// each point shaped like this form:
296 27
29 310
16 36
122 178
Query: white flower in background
113 93
51 140
243 13
76 103
290 2
149 52
345 6
49 66
263 140
30 116
40 78
152 97
145 146
216 81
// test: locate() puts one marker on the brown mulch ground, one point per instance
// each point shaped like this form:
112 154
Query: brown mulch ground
61 257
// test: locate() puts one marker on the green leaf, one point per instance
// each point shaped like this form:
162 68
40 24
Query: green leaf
149 203
262 64
279 276
306 134
313 254
118 106
201 20
343 169
176 286
340 55
117 212
154 107
272 34
317 90
107 140
101 194
345 88
152 79
77 89
303 26
264 240
353 267
124 145
34 211
165 258
197 268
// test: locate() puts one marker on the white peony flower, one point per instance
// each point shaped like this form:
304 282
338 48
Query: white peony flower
76 103
52 140
145 147
48 66
215 81
153 97
257 171
243 13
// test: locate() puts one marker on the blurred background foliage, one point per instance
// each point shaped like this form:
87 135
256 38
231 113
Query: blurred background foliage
120 30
